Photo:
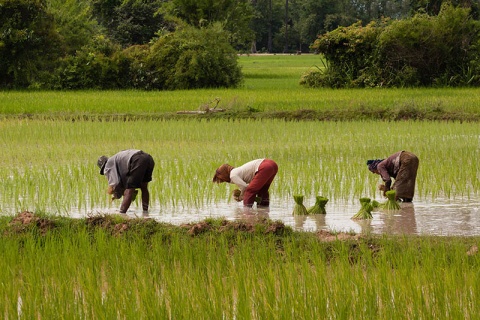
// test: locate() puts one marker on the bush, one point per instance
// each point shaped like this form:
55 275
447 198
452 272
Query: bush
185 59
95 66
428 50
423 50
349 52
191 58
135 72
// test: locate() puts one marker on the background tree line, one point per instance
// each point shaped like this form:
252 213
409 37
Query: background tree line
169 44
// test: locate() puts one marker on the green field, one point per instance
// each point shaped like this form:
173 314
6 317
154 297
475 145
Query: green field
109 267
271 85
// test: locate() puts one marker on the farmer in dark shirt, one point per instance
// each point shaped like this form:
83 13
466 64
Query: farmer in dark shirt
401 166
126 171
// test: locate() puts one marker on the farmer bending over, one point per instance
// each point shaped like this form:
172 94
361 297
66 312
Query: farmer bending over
126 171
401 166
253 179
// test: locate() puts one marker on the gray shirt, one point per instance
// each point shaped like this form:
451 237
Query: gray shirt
116 168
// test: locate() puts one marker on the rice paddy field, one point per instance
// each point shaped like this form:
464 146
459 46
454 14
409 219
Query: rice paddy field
419 262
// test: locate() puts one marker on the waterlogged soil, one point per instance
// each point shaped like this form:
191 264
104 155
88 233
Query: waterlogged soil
119 224
444 217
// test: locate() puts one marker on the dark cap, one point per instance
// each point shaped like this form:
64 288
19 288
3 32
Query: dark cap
101 162
372 164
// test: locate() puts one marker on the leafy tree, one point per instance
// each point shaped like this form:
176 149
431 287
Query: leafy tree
104 11
266 22
312 20
129 22
192 58
234 15
431 50
29 43
433 7
74 22
137 21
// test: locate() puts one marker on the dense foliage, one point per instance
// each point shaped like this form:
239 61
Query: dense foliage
424 50
193 58
29 43
57 43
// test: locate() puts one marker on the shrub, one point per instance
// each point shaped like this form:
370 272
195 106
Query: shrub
423 50
95 66
191 58
349 52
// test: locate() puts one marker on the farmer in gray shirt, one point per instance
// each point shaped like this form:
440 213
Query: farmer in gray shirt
126 171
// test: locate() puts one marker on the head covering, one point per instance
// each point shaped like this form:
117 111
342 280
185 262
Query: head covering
101 162
372 164
222 174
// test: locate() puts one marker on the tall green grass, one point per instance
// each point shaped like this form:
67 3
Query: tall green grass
78 273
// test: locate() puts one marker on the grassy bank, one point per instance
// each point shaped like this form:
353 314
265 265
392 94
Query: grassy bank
108 267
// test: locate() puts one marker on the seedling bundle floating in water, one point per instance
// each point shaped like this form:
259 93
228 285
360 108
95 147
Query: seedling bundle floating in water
299 208
319 207
365 211
391 203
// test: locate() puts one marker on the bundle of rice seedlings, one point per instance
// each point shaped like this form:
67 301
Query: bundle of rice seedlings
391 203
375 204
365 211
299 208
319 207
236 193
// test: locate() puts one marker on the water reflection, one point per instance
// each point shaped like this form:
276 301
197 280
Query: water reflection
399 221
429 217
365 226
251 214
318 219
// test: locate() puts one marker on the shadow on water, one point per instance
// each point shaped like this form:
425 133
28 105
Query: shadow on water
422 217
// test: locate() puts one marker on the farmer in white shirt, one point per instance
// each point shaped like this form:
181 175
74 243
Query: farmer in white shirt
126 171
253 180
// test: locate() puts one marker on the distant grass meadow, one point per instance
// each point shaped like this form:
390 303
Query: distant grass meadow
48 166
271 84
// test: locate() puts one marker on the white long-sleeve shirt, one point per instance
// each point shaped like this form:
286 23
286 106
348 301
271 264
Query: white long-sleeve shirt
243 175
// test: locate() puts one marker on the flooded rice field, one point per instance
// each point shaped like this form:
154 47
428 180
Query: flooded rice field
444 217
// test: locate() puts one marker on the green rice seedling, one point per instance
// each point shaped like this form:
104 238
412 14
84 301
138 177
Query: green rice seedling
157 270
365 211
319 206
57 174
299 207
391 204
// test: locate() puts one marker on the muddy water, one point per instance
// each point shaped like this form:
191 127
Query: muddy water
440 217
